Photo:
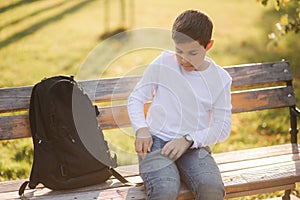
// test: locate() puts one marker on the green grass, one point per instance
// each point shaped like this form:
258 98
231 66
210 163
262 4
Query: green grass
44 38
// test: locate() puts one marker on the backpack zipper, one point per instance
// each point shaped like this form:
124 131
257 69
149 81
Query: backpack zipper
71 138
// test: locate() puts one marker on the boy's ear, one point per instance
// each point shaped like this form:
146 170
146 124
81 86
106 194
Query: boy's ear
209 45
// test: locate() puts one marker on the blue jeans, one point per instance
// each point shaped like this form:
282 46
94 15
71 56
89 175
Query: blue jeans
196 168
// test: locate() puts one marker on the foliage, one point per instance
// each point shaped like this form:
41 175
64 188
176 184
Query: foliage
289 20
15 159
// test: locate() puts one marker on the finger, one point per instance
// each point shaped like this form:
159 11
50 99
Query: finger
173 154
144 143
166 150
150 145
138 146
144 149
179 153
143 155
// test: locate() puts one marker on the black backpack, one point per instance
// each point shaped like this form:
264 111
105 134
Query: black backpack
69 147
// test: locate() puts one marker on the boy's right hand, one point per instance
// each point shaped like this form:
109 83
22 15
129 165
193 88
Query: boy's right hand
143 142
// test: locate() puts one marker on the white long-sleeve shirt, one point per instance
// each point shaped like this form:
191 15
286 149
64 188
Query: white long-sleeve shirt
196 103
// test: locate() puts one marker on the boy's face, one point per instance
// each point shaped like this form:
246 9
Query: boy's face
190 55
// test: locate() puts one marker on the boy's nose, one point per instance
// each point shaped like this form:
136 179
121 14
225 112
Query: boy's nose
184 60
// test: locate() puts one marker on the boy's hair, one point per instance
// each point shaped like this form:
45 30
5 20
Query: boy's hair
192 25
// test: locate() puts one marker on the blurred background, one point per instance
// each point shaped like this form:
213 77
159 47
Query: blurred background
43 38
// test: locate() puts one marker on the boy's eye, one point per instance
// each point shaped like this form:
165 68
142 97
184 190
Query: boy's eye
179 51
193 53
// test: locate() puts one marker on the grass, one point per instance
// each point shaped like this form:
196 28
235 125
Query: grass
44 38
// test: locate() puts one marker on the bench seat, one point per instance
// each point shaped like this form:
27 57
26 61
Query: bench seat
244 172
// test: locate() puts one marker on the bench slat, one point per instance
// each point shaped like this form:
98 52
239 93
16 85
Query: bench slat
13 127
261 152
102 90
262 99
263 176
259 73
116 116
235 156
256 162
12 99
260 191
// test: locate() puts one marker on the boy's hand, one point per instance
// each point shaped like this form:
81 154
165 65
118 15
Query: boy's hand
175 148
143 142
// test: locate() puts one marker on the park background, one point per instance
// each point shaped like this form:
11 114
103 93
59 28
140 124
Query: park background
43 38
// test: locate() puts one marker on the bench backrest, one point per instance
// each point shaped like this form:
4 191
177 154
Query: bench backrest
254 87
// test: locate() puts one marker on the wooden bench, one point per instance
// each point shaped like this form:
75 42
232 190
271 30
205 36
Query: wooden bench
245 172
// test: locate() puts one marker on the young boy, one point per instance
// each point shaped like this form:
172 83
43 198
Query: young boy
190 110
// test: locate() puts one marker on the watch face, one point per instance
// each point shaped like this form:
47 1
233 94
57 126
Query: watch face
188 138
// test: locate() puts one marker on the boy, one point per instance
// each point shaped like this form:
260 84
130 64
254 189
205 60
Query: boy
190 110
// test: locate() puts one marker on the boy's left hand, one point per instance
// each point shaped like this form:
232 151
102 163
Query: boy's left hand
175 148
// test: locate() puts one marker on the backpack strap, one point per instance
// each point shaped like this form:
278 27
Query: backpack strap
116 174
22 188
121 178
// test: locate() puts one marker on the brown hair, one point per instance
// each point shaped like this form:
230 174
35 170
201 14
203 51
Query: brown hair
192 25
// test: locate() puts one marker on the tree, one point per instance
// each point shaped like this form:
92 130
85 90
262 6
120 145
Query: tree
289 20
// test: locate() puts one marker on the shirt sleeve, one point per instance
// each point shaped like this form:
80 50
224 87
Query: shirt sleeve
220 125
142 93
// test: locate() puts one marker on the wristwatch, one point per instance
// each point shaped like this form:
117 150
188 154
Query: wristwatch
189 139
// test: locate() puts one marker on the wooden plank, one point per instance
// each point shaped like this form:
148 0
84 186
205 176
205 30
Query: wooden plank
256 153
8 186
120 193
262 176
45 193
292 197
258 162
111 89
12 99
42 192
13 185
259 191
261 99
237 156
259 73
117 116
13 127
